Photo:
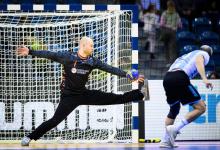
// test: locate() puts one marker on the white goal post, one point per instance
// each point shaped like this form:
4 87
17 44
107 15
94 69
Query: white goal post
29 86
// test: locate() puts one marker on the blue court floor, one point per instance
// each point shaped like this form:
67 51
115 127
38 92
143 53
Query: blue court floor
118 146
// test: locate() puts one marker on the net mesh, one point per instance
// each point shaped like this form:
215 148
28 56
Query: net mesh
29 86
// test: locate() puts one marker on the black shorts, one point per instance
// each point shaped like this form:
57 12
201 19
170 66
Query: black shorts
179 89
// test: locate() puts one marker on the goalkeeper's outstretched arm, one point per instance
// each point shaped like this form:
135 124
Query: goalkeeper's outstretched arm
61 57
116 71
110 69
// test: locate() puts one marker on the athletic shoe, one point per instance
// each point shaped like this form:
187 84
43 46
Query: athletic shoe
143 87
171 131
25 141
167 144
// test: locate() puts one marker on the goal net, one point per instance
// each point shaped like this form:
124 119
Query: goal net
30 86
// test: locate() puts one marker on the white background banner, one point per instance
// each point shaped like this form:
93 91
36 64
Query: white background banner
206 127
100 117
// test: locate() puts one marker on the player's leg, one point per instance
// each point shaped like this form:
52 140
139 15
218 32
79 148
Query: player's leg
62 111
65 107
173 130
171 89
96 97
174 111
189 96
170 119
198 109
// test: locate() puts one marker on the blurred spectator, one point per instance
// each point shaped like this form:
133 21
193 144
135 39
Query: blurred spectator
151 22
146 4
140 16
170 21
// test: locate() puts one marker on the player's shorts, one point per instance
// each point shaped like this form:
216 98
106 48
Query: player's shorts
179 89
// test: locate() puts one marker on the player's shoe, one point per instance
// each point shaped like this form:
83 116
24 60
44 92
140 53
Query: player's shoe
171 131
167 144
25 141
143 87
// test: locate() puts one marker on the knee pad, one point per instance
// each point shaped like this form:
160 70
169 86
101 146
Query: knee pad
174 111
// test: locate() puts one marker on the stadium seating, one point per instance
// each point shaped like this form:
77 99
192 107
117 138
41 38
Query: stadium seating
209 38
201 24
218 27
210 66
185 38
187 49
216 55
216 49
214 61
185 25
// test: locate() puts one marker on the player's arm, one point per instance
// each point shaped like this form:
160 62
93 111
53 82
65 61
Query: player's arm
201 69
107 68
116 71
61 57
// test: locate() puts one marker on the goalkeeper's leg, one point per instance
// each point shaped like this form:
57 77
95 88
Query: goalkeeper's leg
95 97
65 107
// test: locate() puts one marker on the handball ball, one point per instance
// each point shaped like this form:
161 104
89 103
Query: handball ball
135 73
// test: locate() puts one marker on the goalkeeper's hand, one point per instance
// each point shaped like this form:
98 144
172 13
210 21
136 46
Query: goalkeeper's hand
140 78
22 51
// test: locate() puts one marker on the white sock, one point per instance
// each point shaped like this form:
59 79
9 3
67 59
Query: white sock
166 137
179 125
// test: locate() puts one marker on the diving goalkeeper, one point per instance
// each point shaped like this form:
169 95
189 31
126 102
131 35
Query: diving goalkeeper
77 67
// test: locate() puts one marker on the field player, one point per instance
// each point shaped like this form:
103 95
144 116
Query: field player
179 90
77 67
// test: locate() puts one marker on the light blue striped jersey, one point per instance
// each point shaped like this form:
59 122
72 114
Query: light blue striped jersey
187 62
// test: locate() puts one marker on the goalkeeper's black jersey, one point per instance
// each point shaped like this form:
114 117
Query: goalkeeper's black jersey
76 69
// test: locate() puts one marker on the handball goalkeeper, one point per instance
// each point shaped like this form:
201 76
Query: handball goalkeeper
77 67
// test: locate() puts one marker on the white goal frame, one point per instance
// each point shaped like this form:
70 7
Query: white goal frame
99 8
